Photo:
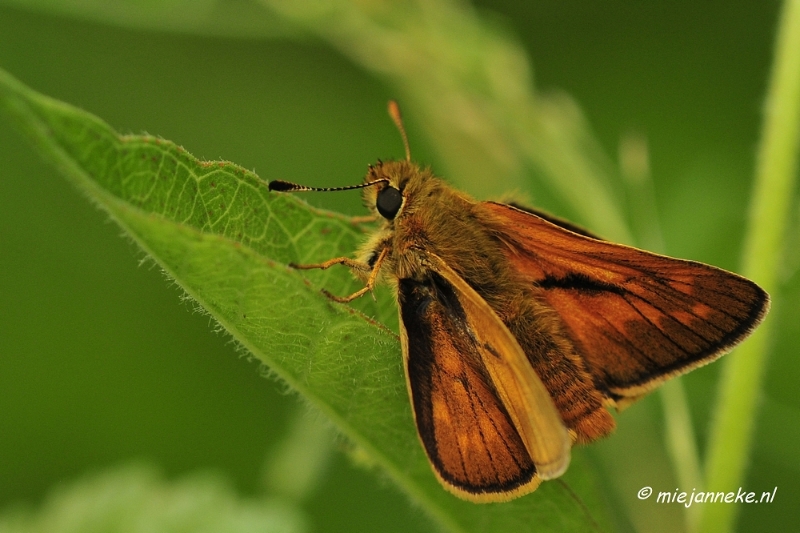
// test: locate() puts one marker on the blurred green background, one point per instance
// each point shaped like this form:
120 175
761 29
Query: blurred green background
100 361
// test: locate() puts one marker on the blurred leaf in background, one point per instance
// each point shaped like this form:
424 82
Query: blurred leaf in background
135 499
99 365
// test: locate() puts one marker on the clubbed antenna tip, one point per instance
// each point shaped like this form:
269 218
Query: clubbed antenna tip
394 112
284 186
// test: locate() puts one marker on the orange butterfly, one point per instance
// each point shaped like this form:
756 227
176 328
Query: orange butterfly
519 329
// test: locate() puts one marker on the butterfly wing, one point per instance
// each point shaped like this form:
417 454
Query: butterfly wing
637 318
485 419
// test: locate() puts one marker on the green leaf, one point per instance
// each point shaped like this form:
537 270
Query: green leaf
218 232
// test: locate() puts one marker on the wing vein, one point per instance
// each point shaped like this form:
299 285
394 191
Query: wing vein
689 310
480 430
447 399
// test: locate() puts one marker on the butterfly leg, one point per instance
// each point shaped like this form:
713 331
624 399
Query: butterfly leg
352 263
355 265
363 220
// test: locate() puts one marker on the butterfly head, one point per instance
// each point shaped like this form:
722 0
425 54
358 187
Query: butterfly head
391 187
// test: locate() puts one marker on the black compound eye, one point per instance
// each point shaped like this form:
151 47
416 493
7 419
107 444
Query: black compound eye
389 202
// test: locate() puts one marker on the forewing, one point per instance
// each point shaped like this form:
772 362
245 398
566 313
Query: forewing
636 317
468 414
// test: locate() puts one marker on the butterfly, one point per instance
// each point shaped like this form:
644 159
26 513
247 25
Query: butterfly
520 330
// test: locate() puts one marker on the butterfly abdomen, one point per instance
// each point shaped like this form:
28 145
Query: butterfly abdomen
563 372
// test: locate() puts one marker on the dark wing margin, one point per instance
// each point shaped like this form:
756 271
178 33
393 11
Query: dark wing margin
637 318
467 433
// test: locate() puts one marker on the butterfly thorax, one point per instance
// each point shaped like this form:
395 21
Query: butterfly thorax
435 219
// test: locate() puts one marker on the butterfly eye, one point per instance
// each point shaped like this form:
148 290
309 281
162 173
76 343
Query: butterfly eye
389 202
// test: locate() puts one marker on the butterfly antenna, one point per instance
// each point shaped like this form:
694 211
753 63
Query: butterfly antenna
394 112
287 186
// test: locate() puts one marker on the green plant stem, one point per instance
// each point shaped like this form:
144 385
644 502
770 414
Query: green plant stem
731 434
681 442
679 435
296 466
